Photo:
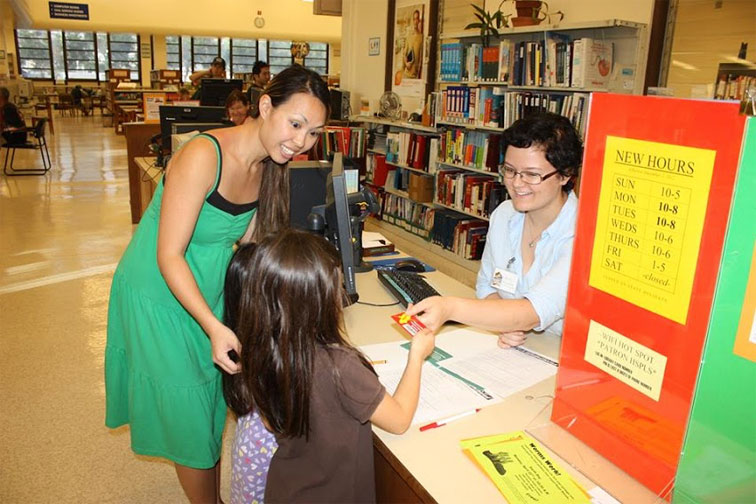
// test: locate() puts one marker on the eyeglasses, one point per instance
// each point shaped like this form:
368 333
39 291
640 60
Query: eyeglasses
530 178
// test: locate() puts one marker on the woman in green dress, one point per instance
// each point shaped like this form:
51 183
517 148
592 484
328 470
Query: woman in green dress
166 340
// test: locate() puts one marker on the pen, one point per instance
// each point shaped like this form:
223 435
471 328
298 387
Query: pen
439 423
374 362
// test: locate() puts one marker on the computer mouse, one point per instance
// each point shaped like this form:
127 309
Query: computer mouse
410 265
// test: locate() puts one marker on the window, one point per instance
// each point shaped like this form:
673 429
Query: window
186 58
173 52
33 49
204 49
243 55
59 60
279 55
81 56
317 59
124 52
103 55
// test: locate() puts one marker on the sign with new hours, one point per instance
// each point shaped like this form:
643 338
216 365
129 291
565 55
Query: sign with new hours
646 243
656 186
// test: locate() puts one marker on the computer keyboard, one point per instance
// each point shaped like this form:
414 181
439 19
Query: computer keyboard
405 286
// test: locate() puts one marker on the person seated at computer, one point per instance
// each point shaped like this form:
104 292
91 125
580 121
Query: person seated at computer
260 79
77 95
525 268
12 123
237 107
217 70
184 94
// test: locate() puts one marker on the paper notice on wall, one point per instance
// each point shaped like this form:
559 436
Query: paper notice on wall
650 220
625 359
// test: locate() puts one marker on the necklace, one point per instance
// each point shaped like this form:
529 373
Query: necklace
532 243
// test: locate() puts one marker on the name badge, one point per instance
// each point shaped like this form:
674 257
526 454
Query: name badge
504 280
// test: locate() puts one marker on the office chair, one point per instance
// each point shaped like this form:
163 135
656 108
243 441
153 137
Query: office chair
38 142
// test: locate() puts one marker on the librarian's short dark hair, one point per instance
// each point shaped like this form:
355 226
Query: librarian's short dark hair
555 135
4 92
258 67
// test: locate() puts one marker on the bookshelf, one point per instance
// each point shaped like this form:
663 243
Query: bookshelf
734 80
467 125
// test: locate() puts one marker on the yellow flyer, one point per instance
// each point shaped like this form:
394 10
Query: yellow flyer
650 219
522 470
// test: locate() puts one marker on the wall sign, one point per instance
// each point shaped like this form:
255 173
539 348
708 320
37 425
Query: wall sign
374 46
64 10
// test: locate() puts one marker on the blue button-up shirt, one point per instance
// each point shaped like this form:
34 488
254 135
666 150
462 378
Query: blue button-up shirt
545 284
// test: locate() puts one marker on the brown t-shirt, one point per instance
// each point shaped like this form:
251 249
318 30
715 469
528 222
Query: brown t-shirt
336 463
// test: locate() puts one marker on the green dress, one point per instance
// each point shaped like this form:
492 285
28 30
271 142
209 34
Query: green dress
159 373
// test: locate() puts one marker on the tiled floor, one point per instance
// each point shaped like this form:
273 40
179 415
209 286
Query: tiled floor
61 236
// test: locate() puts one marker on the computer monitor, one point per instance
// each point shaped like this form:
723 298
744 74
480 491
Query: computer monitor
308 182
340 233
172 114
340 218
213 92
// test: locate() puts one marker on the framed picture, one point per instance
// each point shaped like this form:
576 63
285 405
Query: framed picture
374 46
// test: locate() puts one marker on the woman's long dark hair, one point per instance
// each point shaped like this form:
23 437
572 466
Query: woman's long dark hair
290 301
273 210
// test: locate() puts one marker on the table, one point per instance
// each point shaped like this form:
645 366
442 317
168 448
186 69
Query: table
149 176
138 137
429 466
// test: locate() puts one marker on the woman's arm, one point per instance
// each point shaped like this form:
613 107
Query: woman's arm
394 413
491 313
190 177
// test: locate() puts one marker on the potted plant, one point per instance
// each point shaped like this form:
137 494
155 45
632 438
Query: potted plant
489 23
532 12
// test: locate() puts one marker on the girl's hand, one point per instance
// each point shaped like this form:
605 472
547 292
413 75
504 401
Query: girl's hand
512 339
223 340
432 311
423 344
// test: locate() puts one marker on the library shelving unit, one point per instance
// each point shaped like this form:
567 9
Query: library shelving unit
734 80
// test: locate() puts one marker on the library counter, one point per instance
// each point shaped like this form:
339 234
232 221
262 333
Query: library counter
430 466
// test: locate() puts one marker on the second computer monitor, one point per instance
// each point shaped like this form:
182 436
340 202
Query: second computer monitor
174 114
213 92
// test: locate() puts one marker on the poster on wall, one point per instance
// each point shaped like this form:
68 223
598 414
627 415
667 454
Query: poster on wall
410 58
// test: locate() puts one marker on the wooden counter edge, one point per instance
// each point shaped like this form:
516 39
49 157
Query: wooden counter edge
393 482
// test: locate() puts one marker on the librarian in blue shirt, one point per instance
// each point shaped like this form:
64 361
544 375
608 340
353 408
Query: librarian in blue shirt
525 268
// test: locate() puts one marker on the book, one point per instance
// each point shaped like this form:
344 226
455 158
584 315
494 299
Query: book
592 63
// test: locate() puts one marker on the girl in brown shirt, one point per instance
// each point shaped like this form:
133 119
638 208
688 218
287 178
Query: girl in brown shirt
312 389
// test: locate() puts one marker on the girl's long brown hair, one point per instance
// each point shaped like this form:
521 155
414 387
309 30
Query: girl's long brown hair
273 210
288 304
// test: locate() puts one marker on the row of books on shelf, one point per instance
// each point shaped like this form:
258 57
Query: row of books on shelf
458 234
411 149
556 61
408 215
474 149
461 235
492 107
475 194
351 141
734 87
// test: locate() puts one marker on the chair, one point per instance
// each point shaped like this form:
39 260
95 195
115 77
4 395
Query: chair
38 142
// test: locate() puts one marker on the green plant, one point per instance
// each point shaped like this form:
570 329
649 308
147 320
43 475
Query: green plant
489 23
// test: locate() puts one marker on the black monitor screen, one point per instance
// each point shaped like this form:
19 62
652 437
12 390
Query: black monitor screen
213 92
171 114
308 180
339 227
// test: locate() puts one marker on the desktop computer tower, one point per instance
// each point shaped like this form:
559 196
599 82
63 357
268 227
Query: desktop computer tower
339 105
